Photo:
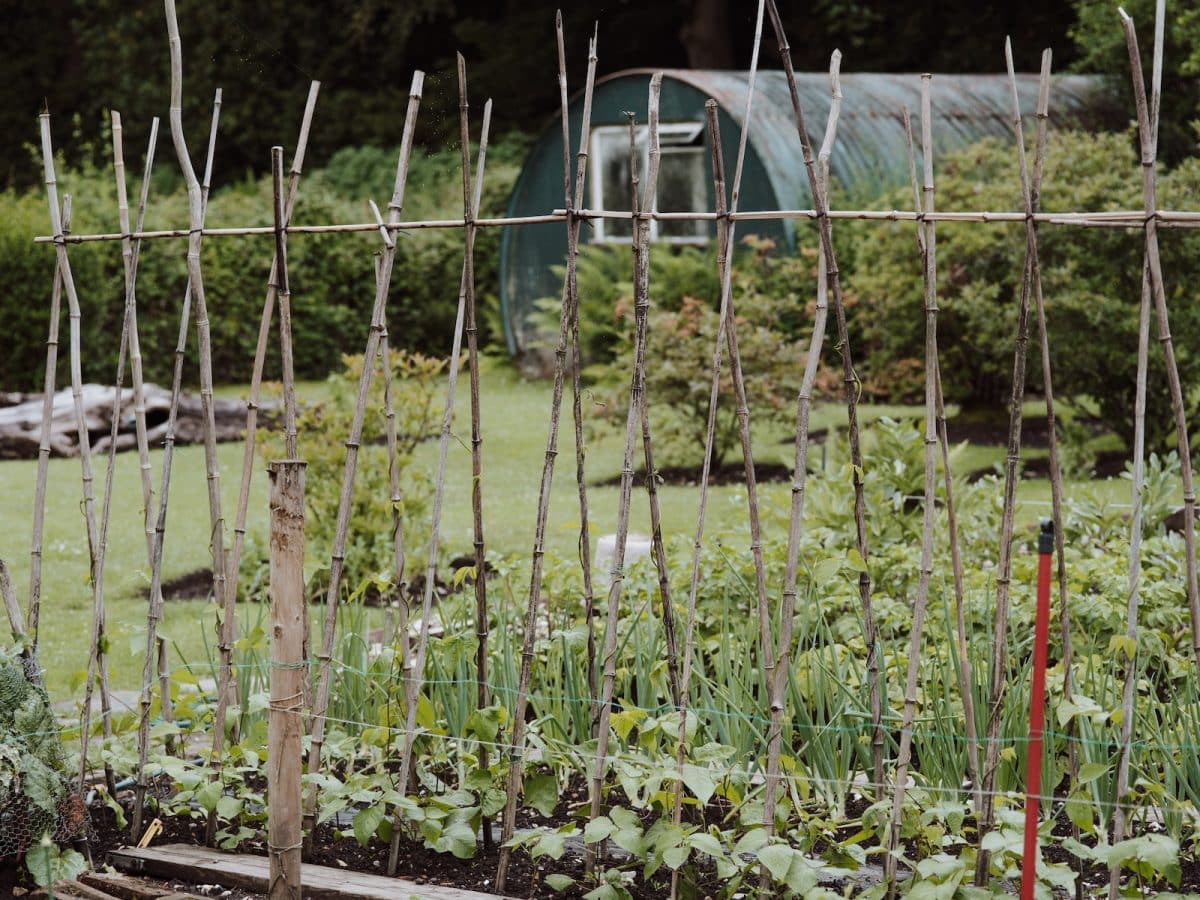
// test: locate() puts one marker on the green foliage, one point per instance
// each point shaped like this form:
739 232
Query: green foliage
682 332
1100 47
1091 283
322 430
331 275
48 864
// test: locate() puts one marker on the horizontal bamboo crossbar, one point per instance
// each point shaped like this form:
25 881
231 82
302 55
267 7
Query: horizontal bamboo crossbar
1109 219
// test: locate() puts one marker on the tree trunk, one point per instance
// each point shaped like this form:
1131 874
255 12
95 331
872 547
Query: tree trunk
706 35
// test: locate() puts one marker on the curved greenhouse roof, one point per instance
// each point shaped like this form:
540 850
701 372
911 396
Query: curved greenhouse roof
869 158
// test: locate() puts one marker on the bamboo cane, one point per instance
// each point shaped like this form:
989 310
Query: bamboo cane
227 681
131 265
416 666
778 684
97 667
260 353
718 170
966 678
1135 566
1148 130
196 205
129 253
1147 119
920 605
1130 219
155 605
1056 481
1056 495
43 466
658 551
572 300
164 689
852 390
517 735
398 556
481 605
320 700
229 623
1031 193
637 388
284 295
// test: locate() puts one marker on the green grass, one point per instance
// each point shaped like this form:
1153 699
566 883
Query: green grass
66 592
515 420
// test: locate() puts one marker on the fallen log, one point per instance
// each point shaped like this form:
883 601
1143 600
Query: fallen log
21 422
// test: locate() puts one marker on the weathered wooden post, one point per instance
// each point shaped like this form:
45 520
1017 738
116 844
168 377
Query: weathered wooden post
284 827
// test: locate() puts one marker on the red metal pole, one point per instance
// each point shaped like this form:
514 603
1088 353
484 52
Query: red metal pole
1037 710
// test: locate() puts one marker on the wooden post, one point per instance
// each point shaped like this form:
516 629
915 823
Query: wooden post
284 825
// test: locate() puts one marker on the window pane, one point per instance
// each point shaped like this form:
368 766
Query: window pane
612 151
681 188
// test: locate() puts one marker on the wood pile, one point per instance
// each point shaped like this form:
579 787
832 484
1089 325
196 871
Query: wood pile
21 420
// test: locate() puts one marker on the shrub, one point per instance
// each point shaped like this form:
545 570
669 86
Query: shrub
322 432
331 275
1091 283
683 332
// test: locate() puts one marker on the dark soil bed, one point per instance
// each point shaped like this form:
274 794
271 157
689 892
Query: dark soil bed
526 877
726 473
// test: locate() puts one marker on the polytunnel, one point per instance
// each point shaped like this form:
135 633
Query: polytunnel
870 156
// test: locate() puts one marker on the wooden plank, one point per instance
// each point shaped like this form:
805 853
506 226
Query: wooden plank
125 887
205 866
72 889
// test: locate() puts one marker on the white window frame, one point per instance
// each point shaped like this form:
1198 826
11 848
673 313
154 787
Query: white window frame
673 137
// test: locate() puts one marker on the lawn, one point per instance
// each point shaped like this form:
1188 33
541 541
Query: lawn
515 417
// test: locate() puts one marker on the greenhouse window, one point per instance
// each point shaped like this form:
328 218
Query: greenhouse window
682 185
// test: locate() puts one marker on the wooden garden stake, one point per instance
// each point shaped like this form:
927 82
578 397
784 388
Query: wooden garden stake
637 387
1056 482
570 296
470 207
1031 193
852 390
129 324
43 466
164 688
288 665
97 666
920 605
1148 132
1152 290
966 679
260 354
391 632
416 666
642 279
571 299
689 631
155 606
284 294
129 254
196 207
320 701
779 677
